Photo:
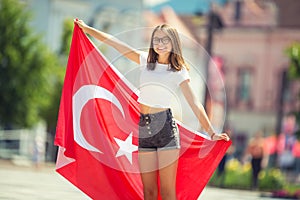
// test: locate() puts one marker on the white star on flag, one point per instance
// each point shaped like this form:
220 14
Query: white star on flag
126 147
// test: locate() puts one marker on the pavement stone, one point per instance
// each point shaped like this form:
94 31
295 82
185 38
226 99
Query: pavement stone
29 183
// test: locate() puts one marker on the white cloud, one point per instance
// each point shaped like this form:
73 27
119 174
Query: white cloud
150 3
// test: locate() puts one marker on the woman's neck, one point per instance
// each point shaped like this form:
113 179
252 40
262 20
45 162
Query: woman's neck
163 59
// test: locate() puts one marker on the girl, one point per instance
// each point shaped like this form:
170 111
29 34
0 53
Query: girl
163 70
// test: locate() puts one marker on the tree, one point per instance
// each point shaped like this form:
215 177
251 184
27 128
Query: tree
51 112
293 52
28 70
66 37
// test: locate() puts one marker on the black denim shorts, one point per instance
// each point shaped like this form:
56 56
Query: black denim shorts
158 131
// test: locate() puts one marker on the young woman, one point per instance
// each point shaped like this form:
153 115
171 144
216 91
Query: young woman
162 71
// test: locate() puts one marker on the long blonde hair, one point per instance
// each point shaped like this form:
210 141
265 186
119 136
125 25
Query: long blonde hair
175 59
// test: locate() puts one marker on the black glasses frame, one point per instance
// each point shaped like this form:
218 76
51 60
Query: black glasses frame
164 40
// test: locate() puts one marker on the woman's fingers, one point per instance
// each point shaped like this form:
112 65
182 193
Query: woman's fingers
222 136
80 23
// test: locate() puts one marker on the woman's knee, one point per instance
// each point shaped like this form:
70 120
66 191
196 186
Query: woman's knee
150 193
168 193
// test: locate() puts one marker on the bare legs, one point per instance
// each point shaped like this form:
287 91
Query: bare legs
148 163
163 163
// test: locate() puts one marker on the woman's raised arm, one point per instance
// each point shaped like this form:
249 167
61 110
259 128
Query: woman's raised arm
123 48
199 111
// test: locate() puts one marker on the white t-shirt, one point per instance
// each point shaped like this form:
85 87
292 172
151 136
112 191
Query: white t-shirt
158 86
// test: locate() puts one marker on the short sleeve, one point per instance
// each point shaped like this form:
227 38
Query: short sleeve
143 59
183 75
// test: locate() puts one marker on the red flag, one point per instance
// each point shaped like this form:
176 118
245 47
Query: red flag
97 132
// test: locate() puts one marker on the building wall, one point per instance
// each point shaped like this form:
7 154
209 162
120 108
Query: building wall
289 13
262 51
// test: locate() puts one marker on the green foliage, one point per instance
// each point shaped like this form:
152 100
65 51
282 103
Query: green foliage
293 52
66 37
238 176
51 112
293 188
271 179
297 133
28 71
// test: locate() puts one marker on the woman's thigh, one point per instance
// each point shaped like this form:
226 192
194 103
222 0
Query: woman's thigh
168 162
148 169
167 157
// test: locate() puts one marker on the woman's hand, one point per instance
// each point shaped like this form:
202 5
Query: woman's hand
81 24
222 136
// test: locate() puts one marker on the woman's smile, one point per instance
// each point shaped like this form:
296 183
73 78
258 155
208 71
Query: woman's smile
161 48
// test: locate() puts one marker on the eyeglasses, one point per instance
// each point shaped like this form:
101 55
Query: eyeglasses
164 40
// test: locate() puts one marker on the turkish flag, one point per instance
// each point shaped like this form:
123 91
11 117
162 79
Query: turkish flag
97 132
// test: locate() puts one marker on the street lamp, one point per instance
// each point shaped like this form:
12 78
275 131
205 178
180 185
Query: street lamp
214 22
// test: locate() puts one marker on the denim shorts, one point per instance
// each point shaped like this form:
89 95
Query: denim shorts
158 131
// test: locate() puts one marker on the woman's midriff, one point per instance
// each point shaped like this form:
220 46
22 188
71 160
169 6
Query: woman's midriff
150 110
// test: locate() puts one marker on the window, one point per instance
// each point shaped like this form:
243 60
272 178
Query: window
243 95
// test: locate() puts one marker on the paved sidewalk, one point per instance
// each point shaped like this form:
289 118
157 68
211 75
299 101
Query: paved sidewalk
28 183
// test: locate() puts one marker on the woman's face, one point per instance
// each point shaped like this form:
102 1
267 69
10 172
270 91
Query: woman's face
162 44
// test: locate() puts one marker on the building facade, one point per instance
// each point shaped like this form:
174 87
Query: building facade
251 43
254 62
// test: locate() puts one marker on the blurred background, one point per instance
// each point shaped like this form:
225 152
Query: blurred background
247 52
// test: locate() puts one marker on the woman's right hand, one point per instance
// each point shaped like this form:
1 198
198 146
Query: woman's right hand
81 24
123 48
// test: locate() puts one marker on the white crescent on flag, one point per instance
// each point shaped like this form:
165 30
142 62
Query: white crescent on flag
80 98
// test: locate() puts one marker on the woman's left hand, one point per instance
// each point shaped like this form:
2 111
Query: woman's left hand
81 24
222 136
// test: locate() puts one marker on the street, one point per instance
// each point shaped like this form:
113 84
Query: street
22 183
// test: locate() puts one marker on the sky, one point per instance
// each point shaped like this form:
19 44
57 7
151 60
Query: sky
180 6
